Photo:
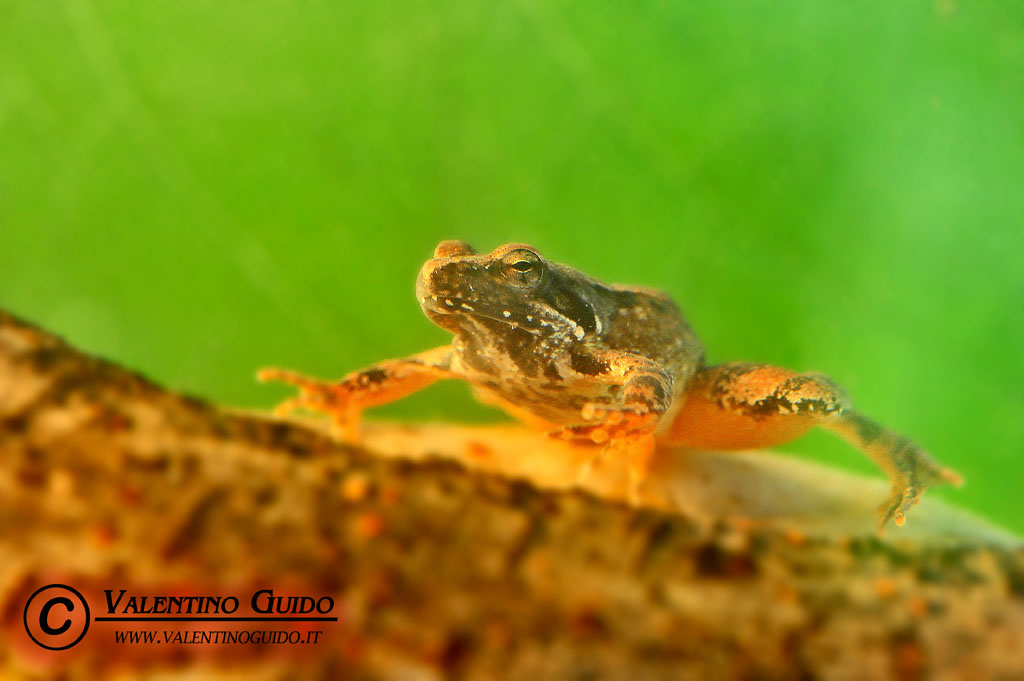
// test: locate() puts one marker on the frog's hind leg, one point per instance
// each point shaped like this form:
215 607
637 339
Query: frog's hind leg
911 469
344 400
744 406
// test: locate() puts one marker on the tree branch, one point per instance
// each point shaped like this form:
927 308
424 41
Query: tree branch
477 563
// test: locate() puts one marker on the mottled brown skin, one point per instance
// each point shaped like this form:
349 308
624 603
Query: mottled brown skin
614 365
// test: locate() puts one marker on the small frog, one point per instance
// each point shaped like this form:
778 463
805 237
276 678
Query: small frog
615 365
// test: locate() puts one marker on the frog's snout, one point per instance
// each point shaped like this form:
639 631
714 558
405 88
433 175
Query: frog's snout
440 277
446 272
423 280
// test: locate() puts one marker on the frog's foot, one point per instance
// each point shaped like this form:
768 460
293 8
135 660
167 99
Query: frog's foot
606 423
326 397
913 471
625 435
314 395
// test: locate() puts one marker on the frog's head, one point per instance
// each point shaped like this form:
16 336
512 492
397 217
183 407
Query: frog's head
513 287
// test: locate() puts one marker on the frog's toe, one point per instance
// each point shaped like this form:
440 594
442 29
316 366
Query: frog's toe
950 476
593 411
303 401
285 408
313 393
922 471
596 433
895 508
268 374
914 471
906 493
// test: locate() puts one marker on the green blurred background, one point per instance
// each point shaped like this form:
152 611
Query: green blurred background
198 188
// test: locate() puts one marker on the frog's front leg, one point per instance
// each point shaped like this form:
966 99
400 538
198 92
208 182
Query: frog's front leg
344 400
625 425
645 396
743 406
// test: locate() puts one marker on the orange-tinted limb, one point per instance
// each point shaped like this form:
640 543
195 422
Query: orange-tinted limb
382 383
911 469
625 427
745 406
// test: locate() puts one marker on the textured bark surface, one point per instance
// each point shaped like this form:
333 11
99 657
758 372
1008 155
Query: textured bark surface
485 567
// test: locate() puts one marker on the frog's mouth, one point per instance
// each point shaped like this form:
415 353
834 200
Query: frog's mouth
447 312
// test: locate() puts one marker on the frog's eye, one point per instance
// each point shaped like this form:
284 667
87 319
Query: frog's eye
523 266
